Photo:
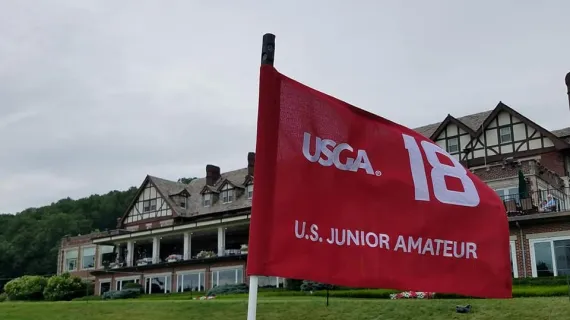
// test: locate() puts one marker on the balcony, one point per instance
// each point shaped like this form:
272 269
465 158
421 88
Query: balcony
222 243
542 201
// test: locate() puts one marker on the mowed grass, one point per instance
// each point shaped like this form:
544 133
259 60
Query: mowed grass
289 308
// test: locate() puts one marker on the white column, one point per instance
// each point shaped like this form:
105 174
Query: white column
130 252
187 246
221 241
277 279
155 249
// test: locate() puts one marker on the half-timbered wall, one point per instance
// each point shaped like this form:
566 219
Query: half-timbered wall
453 139
149 205
506 134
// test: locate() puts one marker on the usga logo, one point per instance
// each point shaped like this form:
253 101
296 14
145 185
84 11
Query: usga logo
331 152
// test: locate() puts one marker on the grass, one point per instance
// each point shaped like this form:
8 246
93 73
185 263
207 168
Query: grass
288 308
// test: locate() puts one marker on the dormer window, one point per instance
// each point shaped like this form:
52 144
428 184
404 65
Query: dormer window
207 199
180 200
227 193
249 191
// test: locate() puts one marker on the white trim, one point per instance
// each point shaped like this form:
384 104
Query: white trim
512 238
157 275
185 272
238 266
185 227
550 240
514 259
549 235
105 280
128 278
92 246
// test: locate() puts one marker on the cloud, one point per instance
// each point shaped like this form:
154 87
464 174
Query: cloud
96 94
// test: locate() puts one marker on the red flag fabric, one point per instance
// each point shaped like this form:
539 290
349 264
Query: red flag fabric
345 197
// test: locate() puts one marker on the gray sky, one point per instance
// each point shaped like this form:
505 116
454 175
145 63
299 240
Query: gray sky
96 94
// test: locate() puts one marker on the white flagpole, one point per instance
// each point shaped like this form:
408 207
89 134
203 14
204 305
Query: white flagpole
267 56
252 300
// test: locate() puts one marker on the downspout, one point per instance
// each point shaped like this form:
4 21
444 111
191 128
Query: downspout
523 254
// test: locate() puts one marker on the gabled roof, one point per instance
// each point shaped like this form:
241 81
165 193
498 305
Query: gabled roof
472 121
501 107
248 180
227 181
208 189
450 119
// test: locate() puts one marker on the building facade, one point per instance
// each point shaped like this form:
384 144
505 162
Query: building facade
177 237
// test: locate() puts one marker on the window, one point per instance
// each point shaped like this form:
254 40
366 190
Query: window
514 267
104 286
88 258
550 257
453 145
249 190
149 205
227 194
505 135
207 199
226 276
508 194
155 284
106 255
191 281
71 260
270 282
121 282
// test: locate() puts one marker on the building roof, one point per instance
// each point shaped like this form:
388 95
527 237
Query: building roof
238 177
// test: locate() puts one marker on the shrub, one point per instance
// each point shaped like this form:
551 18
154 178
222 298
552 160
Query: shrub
65 287
88 298
315 286
26 288
228 289
293 284
135 286
123 294
541 281
3 297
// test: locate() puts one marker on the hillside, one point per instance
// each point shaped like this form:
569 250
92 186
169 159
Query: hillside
29 240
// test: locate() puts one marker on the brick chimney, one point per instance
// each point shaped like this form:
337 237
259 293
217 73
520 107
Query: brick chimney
250 163
212 174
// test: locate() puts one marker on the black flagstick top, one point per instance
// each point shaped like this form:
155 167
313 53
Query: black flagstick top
268 49
567 80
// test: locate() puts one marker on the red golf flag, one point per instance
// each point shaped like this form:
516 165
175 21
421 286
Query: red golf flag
345 197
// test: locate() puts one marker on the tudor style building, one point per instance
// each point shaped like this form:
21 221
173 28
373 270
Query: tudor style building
177 237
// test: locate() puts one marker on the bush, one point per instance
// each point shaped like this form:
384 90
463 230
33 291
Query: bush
135 286
65 287
3 297
26 288
123 294
541 281
228 289
315 286
88 298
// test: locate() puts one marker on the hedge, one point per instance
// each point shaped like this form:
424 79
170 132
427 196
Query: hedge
26 288
518 292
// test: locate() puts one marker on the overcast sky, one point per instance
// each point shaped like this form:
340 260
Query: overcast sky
94 95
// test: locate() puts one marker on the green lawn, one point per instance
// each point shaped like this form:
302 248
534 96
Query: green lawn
289 308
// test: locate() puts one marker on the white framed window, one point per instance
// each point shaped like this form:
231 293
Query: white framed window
508 193
452 145
270 282
104 286
120 282
550 256
226 275
149 205
227 194
105 255
191 281
70 260
505 135
207 199
249 191
87 258
158 283
514 266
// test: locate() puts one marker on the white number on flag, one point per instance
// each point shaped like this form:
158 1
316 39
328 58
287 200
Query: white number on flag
469 197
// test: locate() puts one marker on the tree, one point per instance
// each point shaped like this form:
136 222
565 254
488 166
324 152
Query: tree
186 180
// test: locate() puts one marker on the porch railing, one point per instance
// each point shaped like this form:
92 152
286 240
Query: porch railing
542 201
